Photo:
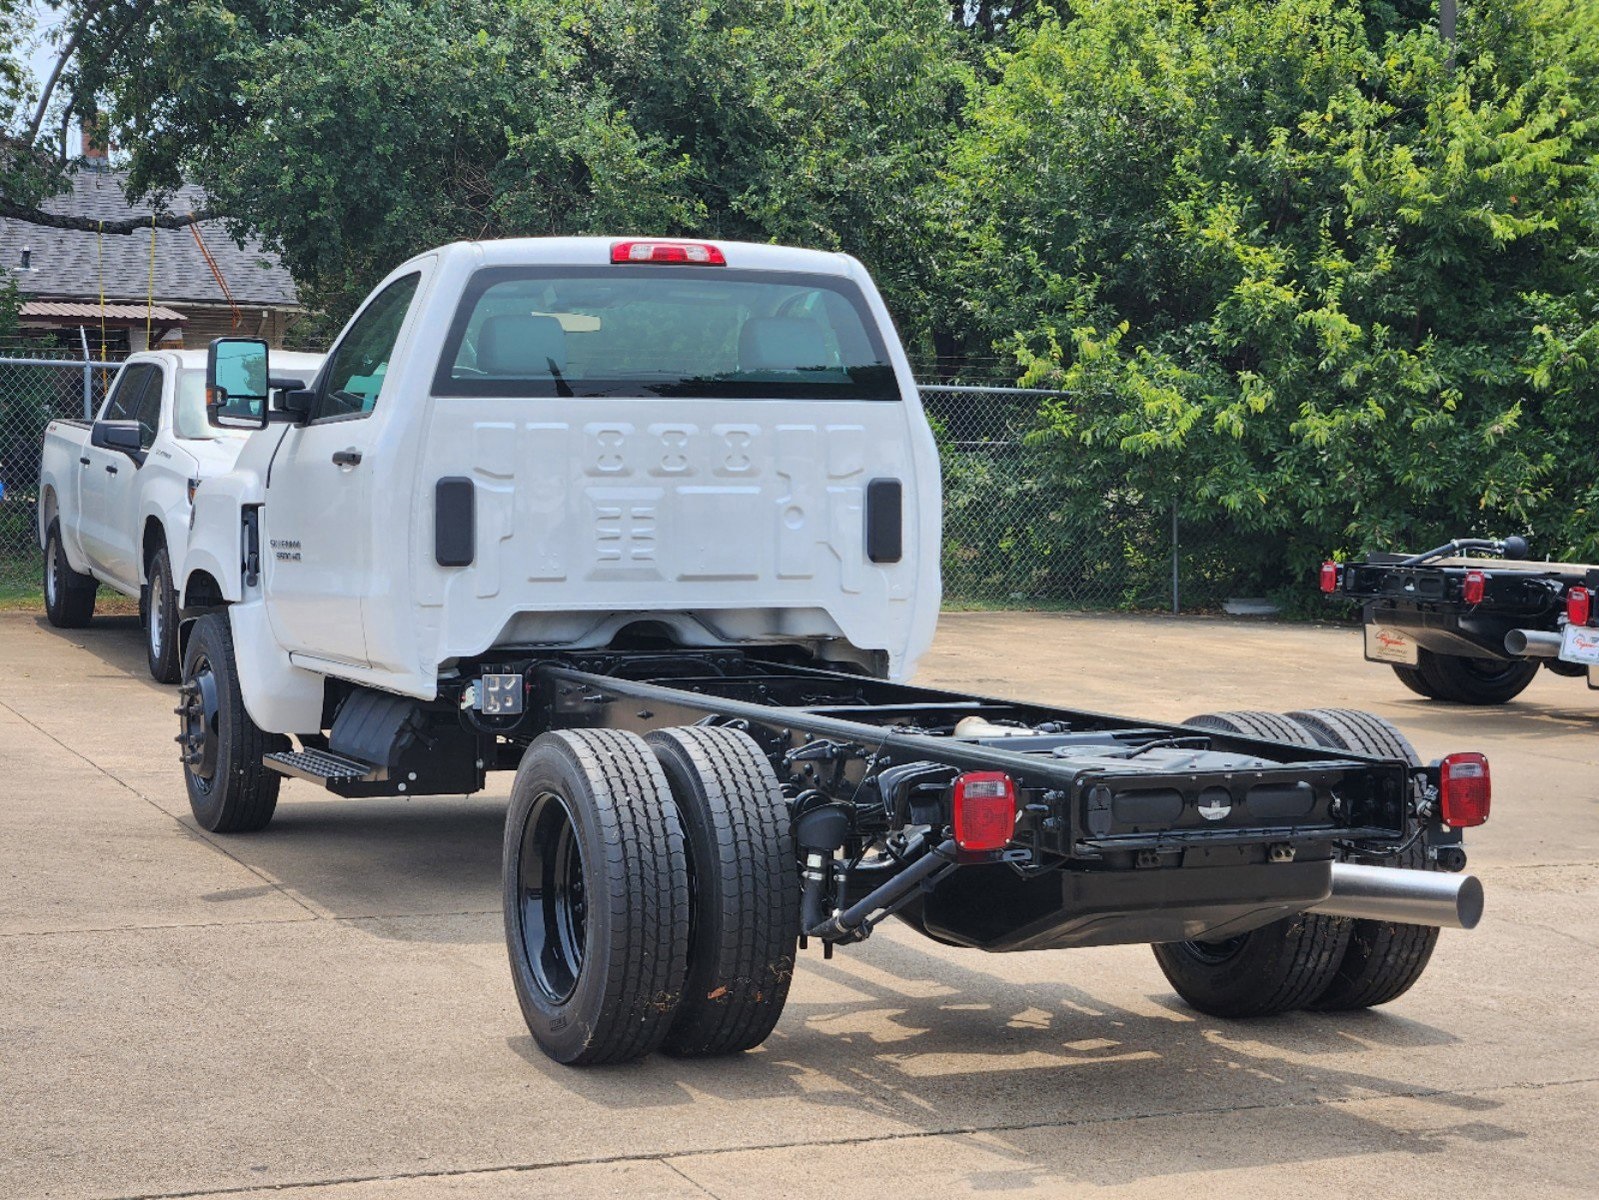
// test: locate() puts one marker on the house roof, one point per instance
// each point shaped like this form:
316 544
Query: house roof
66 310
67 264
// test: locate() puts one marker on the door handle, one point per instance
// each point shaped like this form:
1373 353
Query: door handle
84 461
110 470
347 458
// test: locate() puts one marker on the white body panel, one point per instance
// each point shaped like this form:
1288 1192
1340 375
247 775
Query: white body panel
108 504
729 522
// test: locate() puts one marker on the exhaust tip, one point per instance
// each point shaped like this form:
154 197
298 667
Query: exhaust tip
1468 902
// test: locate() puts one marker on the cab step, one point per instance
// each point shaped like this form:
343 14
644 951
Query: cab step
319 766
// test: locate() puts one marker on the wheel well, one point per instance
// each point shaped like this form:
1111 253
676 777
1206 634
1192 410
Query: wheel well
201 594
154 538
48 508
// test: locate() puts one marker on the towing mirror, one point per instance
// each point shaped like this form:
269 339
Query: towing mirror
236 383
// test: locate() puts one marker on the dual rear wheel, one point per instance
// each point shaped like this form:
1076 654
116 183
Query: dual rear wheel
650 893
1476 681
1307 960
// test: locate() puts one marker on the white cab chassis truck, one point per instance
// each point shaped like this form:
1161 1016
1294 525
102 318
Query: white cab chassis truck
655 525
114 492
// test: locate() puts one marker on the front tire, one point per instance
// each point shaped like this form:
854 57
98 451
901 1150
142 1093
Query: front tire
596 896
161 621
68 594
231 790
744 887
1385 958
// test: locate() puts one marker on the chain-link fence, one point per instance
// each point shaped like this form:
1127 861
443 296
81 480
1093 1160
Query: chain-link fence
34 392
1017 532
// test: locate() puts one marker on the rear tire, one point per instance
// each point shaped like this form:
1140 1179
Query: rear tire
596 896
231 790
744 885
1282 966
1416 679
1477 681
1384 958
1269 726
161 621
1271 970
68 594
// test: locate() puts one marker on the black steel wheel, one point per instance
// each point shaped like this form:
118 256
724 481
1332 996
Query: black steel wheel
596 896
743 886
1477 681
68 594
161 620
230 788
1384 958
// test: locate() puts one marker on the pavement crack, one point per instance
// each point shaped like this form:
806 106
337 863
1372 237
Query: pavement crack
189 831
666 1159
693 1183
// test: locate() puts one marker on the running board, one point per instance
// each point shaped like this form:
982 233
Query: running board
318 766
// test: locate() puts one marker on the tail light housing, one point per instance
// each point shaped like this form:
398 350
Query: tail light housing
1476 583
1464 790
1579 605
701 254
1329 576
984 804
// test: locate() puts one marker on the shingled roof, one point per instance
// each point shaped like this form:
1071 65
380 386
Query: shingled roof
67 265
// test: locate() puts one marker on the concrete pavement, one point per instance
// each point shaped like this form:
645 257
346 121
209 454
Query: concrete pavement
323 1011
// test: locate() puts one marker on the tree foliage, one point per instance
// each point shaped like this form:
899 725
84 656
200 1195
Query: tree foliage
1298 275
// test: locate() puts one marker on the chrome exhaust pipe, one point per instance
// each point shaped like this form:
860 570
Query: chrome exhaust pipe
1532 643
1400 894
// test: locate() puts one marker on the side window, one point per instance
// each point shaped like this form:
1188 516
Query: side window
148 414
354 375
127 392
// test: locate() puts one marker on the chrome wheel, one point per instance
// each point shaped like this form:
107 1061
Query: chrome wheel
158 624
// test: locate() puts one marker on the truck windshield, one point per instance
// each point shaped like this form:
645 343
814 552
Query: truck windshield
704 332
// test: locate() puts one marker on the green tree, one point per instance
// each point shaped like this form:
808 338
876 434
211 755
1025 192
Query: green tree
1298 274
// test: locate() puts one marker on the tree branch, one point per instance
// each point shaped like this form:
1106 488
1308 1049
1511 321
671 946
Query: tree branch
34 216
55 74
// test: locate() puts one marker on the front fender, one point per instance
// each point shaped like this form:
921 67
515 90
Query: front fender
279 696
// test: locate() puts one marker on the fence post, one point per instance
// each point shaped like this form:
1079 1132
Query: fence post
1175 597
88 377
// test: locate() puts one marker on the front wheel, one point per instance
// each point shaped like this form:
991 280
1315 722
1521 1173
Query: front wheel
596 896
161 621
68 594
231 789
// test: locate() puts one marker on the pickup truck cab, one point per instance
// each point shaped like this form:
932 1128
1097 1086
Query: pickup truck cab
655 525
115 492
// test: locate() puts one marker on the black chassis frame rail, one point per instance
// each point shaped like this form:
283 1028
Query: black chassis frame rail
834 733
1427 602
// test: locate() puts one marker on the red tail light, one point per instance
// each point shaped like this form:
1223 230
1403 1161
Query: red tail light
698 253
1471 591
1464 790
1579 605
1329 576
985 810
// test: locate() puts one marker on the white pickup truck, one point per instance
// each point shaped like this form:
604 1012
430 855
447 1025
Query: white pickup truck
655 525
115 492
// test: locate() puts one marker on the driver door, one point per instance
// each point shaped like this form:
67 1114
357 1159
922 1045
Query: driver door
318 524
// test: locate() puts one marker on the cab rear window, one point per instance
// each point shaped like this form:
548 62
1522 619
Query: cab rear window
663 331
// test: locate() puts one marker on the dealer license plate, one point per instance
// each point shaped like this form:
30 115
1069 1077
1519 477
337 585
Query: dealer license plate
1390 646
1580 645
500 695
